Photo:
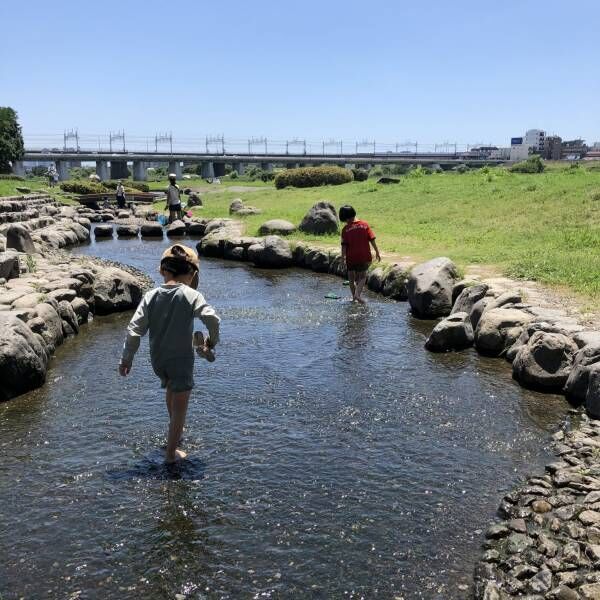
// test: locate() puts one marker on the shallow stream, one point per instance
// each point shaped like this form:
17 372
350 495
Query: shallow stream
330 454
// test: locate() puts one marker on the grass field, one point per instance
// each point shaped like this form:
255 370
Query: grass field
543 227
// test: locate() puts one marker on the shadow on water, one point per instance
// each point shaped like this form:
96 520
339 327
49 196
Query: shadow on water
152 466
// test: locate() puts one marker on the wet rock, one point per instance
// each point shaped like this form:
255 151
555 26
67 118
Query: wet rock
151 230
70 324
517 542
468 297
320 219
319 261
498 329
430 288
18 238
9 264
81 310
48 324
63 294
523 571
589 517
592 397
274 252
562 592
497 531
127 230
395 282
545 361
103 231
375 279
196 228
546 545
541 582
517 525
277 227
541 506
452 333
176 228
116 290
23 359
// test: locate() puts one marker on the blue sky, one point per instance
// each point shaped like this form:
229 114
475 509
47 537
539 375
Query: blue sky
433 71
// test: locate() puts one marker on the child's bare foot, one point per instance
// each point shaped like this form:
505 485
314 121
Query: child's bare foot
179 455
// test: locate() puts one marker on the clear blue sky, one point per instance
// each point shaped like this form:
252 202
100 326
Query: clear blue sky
465 71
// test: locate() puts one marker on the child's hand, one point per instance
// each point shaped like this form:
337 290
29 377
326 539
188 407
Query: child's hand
124 370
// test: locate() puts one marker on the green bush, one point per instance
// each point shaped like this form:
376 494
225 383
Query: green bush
360 174
376 172
312 177
461 168
82 187
417 172
233 175
267 176
533 164
12 177
140 186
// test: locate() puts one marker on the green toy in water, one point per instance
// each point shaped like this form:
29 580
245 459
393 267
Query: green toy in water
346 282
332 296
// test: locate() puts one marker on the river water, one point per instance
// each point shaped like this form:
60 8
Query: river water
330 455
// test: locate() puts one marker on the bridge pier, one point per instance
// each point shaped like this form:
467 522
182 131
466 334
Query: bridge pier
208 171
175 167
18 168
139 170
219 169
102 170
118 169
62 168
239 168
267 167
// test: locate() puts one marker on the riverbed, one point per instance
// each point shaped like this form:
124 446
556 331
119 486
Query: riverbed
330 455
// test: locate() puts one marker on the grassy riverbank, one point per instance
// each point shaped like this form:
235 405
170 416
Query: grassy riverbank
542 227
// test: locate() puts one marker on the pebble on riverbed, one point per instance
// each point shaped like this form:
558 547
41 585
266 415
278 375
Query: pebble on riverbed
549 544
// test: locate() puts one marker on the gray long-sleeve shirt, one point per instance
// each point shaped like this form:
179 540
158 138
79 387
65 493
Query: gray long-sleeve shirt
168 312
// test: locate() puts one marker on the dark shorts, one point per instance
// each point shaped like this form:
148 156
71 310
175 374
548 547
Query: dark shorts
177 375
358 267
174 207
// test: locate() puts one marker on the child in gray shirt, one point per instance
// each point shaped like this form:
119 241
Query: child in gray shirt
168 313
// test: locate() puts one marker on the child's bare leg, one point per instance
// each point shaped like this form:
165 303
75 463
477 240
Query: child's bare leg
351 278
179 405
360 284
169 402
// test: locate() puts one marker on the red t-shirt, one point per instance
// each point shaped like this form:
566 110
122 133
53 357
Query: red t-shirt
356 237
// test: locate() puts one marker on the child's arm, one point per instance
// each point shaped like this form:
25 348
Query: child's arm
209 317
138 326
374 244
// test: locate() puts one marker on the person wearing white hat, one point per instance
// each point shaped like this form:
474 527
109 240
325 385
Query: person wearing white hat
173 199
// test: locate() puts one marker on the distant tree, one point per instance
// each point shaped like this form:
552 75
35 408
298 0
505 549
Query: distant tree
11 139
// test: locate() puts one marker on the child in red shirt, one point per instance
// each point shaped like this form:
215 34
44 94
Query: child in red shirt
357 237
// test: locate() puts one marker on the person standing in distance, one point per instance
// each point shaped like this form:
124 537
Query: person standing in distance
120 195
173 199
357 239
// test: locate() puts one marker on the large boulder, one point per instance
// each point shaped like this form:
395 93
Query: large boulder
103 231
592 397
277 227
453 333
320 219
395 282
235 206
81 309
248 211
23 359
545 361
468 297
176 229
430 288
196 228
152 229
375 279
498 329
116 290
18 238
70 322
9 264
194 200
48 324
509 297
586 360
477 311
273 252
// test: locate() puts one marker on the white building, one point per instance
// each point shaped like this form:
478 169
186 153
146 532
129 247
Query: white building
519 150
500 154
534 139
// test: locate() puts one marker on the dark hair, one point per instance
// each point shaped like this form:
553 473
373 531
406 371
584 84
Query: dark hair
347 213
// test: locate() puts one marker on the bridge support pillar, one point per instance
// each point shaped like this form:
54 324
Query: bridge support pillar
139 170
239 168
118 169
208 170
291 165
62 168
219 169
266 166
175 167
102 170
18 168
